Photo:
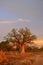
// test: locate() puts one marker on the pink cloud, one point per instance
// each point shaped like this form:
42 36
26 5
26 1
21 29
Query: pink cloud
39 41
6 22
15 21
23 20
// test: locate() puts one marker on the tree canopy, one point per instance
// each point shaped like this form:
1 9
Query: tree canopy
21 37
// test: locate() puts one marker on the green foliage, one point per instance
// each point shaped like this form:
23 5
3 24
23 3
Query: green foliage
21 36
32 49
4 46
17 49
41 49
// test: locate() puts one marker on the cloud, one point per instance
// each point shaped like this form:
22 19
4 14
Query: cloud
23 20
15 21
6 22
39 41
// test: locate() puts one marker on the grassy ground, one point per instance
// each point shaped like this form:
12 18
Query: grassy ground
15 58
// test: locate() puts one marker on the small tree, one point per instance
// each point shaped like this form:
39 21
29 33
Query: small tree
21 37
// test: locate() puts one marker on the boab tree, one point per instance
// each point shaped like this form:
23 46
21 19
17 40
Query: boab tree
21 37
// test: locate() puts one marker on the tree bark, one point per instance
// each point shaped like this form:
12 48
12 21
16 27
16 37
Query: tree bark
22 47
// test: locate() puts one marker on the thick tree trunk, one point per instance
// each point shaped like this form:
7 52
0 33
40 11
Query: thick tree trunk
22 49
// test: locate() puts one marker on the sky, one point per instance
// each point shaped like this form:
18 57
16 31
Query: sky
20 14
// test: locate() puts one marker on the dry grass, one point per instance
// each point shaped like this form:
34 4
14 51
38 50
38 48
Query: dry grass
15 58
